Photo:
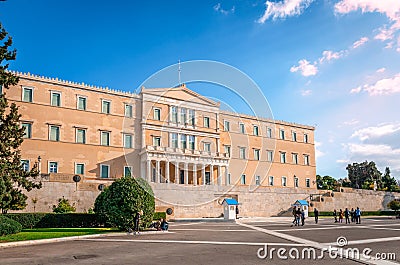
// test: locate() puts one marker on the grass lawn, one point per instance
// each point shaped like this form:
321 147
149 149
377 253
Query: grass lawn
43 233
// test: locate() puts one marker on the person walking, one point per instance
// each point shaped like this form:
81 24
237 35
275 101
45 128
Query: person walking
137 221
294 215
341 216
352 215
346 215
335 215
303 217
298 216
316 213
358 215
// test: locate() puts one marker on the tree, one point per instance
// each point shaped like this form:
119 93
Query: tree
389 183
117 204
326 183
13 178
364 175
63 206
394 205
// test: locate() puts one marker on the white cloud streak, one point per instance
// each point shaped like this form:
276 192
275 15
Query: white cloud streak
360 42
376 131
219 9
305 68
283 9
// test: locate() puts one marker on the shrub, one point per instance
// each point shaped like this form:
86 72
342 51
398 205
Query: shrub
118 204
159 215
63 206
9 226
52 220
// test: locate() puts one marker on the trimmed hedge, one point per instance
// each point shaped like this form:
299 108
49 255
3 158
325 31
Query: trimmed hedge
9 226
159 215
363 213
53 220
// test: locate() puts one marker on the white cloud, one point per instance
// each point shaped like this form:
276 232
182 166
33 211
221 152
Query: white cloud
385 34
219 9
307 92
360 42
352 122
318 152
283 9
372 150
305 68
356 90
376 131
331 55
384 86
381 70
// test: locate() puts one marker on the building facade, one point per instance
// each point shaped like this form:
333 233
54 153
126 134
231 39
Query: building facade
189 150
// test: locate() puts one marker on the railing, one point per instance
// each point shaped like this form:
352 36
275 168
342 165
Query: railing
186 151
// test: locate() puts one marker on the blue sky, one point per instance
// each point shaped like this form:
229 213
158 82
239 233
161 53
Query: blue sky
333 64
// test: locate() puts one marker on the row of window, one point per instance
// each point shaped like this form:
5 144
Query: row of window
271 181
80 135
270 155
79 168
81 102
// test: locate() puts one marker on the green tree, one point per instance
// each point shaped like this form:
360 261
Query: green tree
394 205
117 204
364 175
63 206
389 183
13 178
326 183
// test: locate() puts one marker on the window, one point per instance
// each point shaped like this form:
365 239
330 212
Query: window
53 167
306 160
127 140
226 126
270 155
157 114
27 129
242 152
55 99
183 116
282 134
81 104
128 110
183 141
256 154
295 158
104 171
25 164
105 138
1 89
271 180
284 182
174 140
269 132
192 140
255 130
105 106
127 171
81 136
156 141
294 136
258 181
192 116
306 138
207 147
54 134
307 183
227 149
296 182
206 122
79 168
243 179
174 114
27 94
241 128
283 157
228 181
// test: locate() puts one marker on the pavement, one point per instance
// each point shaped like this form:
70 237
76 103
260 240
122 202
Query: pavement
246 241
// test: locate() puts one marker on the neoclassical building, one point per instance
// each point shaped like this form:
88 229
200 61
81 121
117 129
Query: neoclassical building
191 151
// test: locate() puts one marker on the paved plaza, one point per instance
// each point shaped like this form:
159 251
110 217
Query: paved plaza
248 241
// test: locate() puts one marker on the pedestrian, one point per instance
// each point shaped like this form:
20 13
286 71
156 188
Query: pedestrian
137 221
237 212
358 215
346 215
341 216
352 215
303 217
294 215
335 215
298 216
316 213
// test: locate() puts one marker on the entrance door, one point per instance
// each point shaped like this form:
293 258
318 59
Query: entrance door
208 179
182 177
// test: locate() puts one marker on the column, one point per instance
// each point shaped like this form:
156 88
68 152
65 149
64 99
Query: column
226 175
211 174
186 173
203 174
148 171
219 176
194 174
177 172
158 175
167 172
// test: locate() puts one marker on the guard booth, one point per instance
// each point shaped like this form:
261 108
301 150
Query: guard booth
303 205
230 209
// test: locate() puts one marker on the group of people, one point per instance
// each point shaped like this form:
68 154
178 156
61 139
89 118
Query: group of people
161 225
299 216
351 216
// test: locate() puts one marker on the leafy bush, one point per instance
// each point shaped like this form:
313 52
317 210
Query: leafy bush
63 206
118 204
394 205
52 220
9 226
159 215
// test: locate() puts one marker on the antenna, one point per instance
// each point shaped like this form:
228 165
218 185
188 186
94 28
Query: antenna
179 72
